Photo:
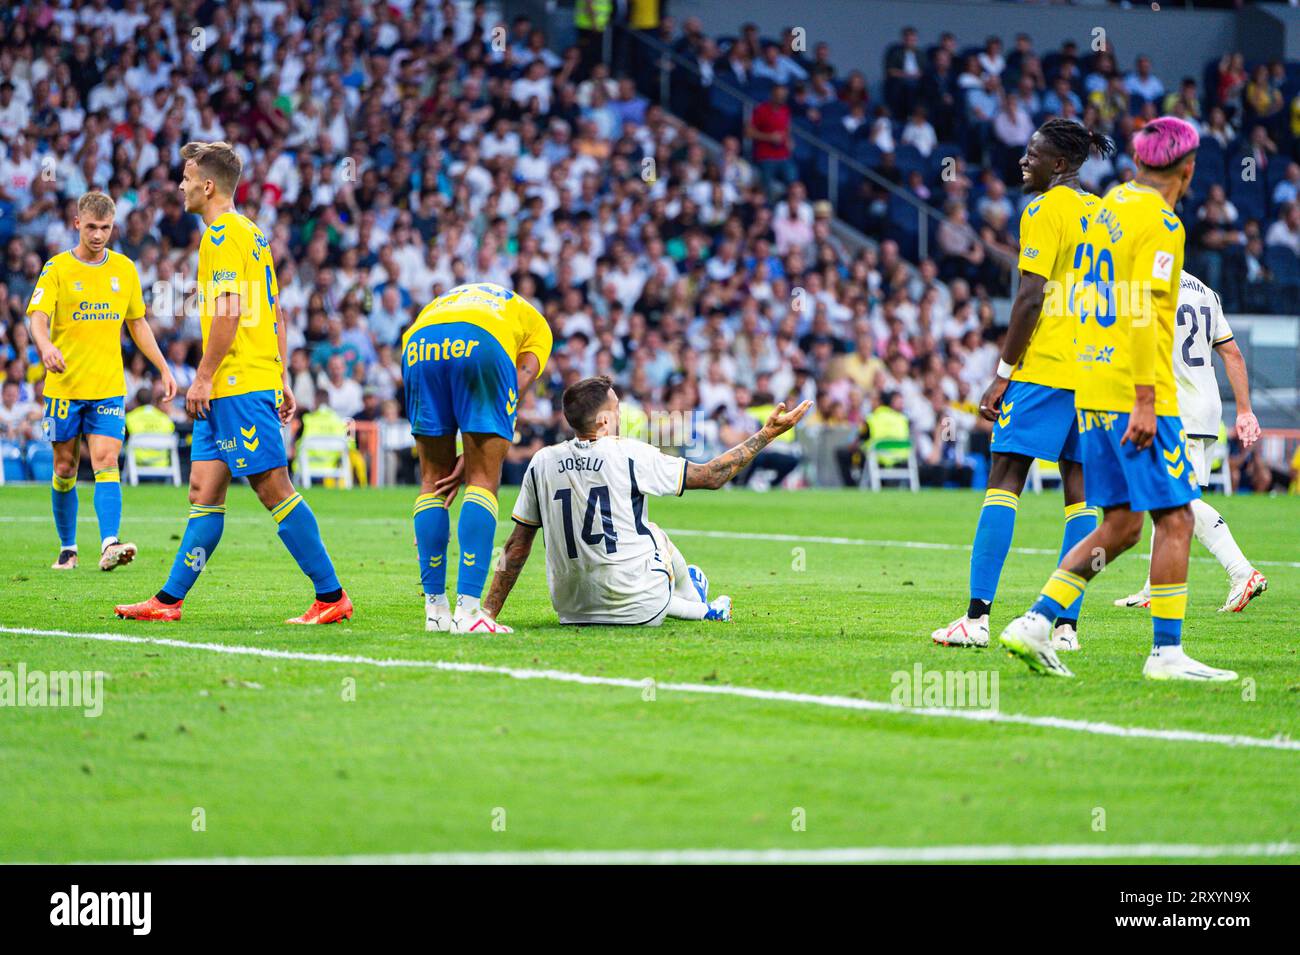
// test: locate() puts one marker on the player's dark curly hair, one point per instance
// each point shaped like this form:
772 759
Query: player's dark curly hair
1074 141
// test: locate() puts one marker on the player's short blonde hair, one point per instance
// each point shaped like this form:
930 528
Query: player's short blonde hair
216 161
96 204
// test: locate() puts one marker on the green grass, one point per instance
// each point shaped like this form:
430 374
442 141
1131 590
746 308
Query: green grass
281 763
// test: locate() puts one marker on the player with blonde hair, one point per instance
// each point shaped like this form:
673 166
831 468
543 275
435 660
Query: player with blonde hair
77 309
239 398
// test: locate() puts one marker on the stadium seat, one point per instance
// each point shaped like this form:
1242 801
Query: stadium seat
144 459
1249 197
1043 471
875 471
909 160
40 461
322 457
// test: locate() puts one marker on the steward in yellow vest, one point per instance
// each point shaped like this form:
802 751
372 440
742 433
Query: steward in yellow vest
147 418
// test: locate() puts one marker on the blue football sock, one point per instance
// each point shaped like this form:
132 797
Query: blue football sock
1080 521
992 543
1062 590
432 534
301 535
63 496
108 502
474 534
202 535
1168 607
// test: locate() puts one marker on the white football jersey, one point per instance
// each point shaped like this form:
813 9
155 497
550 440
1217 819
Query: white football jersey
1201 326
605 561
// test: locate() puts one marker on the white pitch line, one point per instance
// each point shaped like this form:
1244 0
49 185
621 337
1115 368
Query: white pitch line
911 545
871 854
706 689
689 532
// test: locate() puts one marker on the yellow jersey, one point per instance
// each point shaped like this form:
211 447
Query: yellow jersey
509 318
1051 228
1133 256
87 304
235 257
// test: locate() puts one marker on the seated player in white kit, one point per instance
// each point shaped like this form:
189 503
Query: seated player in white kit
606 562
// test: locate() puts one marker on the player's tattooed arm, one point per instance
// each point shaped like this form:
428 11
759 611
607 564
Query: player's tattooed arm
714 474
513 557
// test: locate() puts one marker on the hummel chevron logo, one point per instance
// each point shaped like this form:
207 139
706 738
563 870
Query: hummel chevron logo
469 559
435 561
218 228
248 432
218 239
1033 210
1172 456
252 445
1176 472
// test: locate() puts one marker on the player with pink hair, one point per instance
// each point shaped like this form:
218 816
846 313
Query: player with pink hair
1135 456
1165 141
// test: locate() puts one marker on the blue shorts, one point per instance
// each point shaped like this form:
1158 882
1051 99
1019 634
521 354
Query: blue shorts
66 418
1038 422
243 431
457 377
1159 477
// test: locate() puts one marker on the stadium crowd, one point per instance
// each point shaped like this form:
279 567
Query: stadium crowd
394 151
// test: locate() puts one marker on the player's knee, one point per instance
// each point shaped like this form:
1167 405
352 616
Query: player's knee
1177 522
272 487
1125 529
65 468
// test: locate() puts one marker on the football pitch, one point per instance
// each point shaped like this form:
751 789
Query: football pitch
794 730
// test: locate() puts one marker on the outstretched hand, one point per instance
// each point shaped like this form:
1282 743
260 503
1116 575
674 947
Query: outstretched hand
780 421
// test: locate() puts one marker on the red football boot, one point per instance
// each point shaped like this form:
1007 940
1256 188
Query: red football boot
321 612
151 609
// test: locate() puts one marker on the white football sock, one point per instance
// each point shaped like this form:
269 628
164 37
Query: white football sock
437 600
468 604
684 609
1212 531
683 586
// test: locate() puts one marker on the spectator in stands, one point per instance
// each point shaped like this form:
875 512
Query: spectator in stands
919 134
20 419
1218 128
773 147
903 71
1263 101
1142 84
779 68
1215 239
1285 232
341 392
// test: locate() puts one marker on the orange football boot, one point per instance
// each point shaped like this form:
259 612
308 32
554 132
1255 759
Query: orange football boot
320 612
151 609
